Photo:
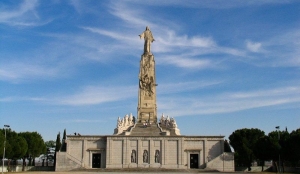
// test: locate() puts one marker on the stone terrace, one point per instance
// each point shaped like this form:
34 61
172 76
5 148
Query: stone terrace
141 130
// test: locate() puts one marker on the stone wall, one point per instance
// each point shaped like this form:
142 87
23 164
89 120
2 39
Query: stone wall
63 163
170 152
174 152
224 162
79 152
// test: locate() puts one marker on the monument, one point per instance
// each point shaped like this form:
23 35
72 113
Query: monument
147 108
145 141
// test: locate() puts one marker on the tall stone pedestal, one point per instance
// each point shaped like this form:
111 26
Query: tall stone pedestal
147 90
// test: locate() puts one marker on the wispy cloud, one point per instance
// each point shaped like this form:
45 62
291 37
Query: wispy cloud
18 98
82 121
253 46
229 102
115 35
185 50
171 88
173 105
89 95
277 51
23 15
92 95
216 4
186 62
16 72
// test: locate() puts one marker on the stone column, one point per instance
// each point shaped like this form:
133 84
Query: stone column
124 152
180 152
164 151
108 152
151 152
205 151
83 152
139 153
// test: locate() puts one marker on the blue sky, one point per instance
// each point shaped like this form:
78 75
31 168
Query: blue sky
220 65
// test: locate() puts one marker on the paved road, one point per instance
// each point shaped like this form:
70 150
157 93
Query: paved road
189 172
139 172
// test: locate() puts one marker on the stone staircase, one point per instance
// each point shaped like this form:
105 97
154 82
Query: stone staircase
141 130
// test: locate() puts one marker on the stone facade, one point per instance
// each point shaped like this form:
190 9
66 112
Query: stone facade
181 152
145 141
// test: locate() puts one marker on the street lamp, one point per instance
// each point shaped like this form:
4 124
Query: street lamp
279 168
5 126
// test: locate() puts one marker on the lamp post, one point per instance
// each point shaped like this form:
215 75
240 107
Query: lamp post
279 168
5 126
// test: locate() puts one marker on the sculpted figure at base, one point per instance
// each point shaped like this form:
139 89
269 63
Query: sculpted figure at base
145 156
148 37
133 156
157 156
123 124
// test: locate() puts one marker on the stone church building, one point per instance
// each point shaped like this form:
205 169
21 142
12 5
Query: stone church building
146 141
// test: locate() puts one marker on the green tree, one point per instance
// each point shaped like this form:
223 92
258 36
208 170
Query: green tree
279 140
293 145
64 145
243 141
57 147
16 146
2 138
65 134
58 142
50 144
263 150
226 146
36 145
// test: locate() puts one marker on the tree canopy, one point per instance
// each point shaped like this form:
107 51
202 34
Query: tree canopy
243 141
16 146
1 140
36 145
253 144
293 144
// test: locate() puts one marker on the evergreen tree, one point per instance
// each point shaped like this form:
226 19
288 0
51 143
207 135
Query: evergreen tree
65 134
58 143
15 147
64 145
57 146
36 145
243 141
226 146
264 150
293 145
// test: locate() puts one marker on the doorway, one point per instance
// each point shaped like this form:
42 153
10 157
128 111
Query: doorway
194 161
96 160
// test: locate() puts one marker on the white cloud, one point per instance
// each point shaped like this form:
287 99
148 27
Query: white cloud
92 95
16 72
215 4
24 15
171 88
185 62
83 121
130 15
111 34
278 51
171 39
253 46
229 102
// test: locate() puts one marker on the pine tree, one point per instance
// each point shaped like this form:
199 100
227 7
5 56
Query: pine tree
64 145
58 142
